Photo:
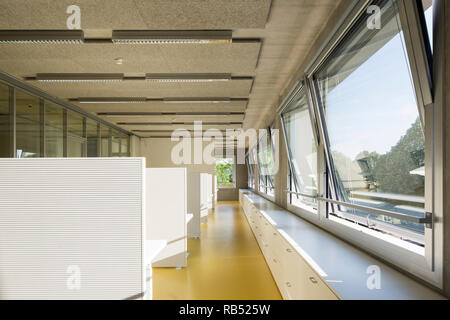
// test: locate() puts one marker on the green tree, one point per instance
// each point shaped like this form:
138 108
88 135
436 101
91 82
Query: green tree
224 172
393 170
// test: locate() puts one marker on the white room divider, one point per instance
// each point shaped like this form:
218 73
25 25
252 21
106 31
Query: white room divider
166 214
194 204
72 228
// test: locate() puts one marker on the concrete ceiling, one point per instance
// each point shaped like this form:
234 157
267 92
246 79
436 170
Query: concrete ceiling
270 40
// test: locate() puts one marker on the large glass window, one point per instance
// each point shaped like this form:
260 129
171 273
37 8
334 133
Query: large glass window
250 171
266 164
28 125
76 140
54 132
302 151
224 173
5 137
376 142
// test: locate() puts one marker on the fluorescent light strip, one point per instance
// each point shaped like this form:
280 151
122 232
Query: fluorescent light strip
172 37
197 100
41 37
194 77
110 100
79 77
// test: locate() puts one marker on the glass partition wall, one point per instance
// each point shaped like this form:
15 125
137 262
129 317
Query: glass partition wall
33 127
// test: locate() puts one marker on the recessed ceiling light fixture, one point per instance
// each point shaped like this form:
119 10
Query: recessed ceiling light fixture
41 36
79 77
186 77
171 36
111 100
197 100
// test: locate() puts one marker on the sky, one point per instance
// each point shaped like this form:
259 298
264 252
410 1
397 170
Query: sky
382 89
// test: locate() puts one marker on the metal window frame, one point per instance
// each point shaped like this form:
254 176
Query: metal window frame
301 88
429 267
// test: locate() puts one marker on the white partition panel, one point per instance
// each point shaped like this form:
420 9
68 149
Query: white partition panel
193 204
72 228
166 214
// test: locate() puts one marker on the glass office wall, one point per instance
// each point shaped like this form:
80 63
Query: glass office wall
28 125
105 133
93 138
46 129
5 137
54 131
76 140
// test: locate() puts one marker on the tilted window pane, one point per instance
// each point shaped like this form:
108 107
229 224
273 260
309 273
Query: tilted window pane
428 8
375 134
266 165
28 125
302 148
5 136
54 135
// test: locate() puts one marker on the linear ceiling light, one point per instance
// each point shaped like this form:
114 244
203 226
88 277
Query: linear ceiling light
171 36
79 77
112 100
41 36
186 77
197 100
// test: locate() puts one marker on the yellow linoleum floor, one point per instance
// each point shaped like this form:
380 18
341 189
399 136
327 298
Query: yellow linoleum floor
224 264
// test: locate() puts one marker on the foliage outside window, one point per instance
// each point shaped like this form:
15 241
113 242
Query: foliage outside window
224 173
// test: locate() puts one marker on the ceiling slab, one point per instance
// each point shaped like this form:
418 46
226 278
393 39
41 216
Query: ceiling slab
183 127
136 14
233 106
140 88
175 118
21 61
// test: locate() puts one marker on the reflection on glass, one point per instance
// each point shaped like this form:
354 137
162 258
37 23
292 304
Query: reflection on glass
125 145
115 143
266 165
54 136
376 137
302 148
5 137
28 126
75 138
105 135
93 139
